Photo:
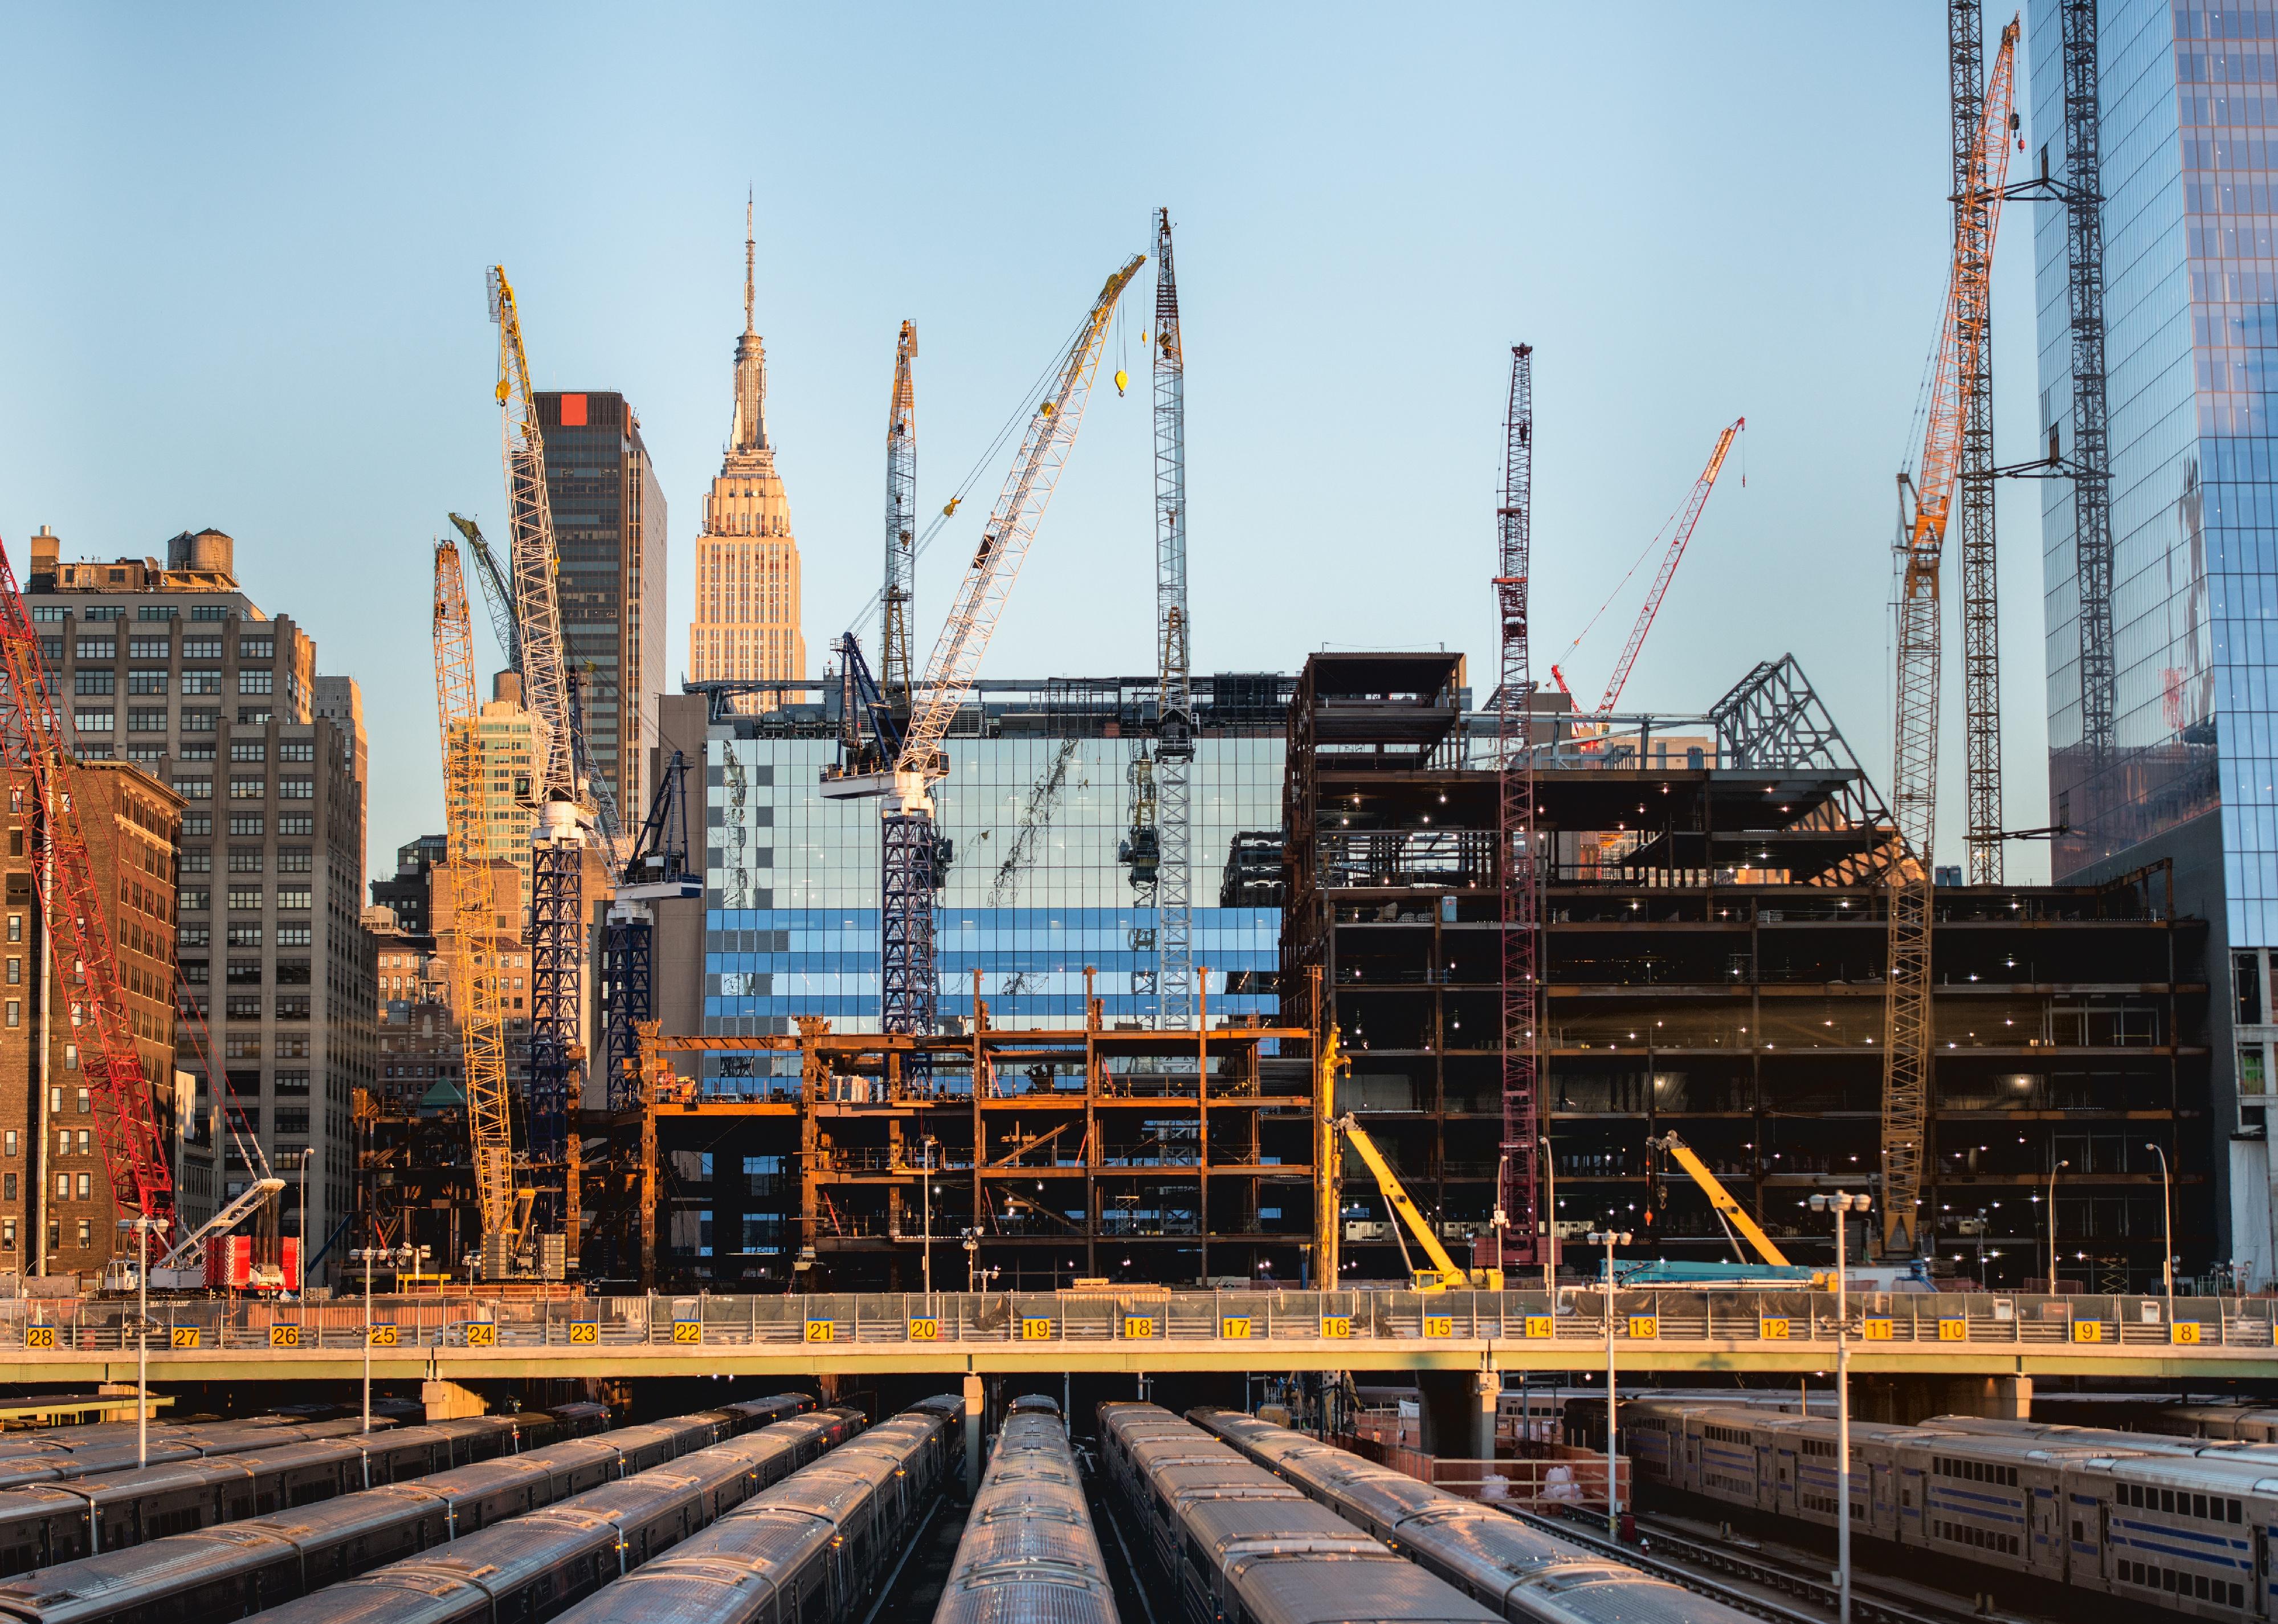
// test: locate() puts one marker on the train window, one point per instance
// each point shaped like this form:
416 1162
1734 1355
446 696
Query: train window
2235 1512
2198 1505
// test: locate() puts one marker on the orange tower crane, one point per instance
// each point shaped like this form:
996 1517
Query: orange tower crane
1914 773
40 790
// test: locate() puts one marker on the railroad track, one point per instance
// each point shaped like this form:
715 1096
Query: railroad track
1685 1559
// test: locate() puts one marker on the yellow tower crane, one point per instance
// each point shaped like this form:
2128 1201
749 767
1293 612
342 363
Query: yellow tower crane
474 962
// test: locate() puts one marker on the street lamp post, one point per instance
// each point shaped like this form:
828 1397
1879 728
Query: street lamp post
2052 1224
1842 1206
141 1229
300 1263
1550 1220
397 1257
1610 1239
2166 1231
925 1154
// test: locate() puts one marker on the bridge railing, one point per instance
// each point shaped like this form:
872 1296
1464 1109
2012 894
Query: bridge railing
1725 1319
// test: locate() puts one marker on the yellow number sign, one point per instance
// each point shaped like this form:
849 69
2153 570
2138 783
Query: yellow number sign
1439 1325
585 1330
185 1335
1772 1330
1036 1331
925 1330
481 1333
2184 1333
1644 1327
1538 1327
693 1330
381 1335
284 1335
39 1336
1953 1330
1138 1326
1234 1328
2088 1330
817 1330
1875 1330
1336 1325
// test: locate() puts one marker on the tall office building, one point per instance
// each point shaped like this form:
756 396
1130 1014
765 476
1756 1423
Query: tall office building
2189 112
173 668
509 739
609 534
747 605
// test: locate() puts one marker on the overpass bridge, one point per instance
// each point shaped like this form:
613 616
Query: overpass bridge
476 1338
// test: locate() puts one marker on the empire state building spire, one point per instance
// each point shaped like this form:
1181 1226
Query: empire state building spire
747 585
748 433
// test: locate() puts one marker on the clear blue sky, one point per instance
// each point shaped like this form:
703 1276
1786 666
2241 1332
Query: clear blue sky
243 288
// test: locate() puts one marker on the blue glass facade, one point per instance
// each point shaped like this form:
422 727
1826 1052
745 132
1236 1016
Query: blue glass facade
2188 102
1034 896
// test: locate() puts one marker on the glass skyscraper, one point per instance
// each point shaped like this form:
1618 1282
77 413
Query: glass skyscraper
1038 802
2189 99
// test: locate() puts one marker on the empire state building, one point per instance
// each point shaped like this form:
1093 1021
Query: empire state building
748 608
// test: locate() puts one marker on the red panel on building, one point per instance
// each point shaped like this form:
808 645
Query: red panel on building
573 411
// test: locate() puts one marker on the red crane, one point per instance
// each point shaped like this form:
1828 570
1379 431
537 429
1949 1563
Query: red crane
1518 856
40 790
1687 519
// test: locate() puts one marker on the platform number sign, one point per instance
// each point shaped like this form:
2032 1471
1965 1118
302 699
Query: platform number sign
1138 1326
584 1332
482 1334
1336 1326
925 1330
689 1332
1234 1327
2088 1330
1644 1327
1875 1330
1539 1328
1953 1330
1772 1329
817 1330
1439 1325
185 1336
39 1336
284 1335
382 1336
2184 1334
1036 1330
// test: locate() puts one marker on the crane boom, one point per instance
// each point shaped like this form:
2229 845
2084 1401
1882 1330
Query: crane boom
895 603
474 979
1721 1198
498 591
1006 539
135 1152
1914 773
1175 700
537 611
1686 519
1443 1272
1518 854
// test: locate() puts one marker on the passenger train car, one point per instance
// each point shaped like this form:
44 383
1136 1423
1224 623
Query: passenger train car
2121 1513
239 1567
109 1453
815 1547
1228 1540
1502 1564
41 1524
1028 1549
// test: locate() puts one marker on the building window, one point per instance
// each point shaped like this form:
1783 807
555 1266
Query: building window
8 1226
49 611
10 1142
294 1121
15 972
256 648
94 721
211 611
202 722
295 936
296 824
248 750
86 1104
292 860
245 899
193 899
246 936
256 682
294 897
192 936
201 682
155 611
201 649
249 717
296 789
86 1234
97 648
15 1013
92 682
86 1181
199 860
146 721
150 648
244 824
242 1047
296 750
242 1008
291 1083
146 682
193 789
15 927
197 823
245 859
248 789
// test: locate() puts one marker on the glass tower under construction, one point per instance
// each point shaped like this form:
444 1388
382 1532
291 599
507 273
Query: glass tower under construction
2189 139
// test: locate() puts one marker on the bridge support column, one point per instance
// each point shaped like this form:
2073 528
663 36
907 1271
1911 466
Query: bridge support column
1905 1400
449 1401
1487 1392
1448 1403
976 1410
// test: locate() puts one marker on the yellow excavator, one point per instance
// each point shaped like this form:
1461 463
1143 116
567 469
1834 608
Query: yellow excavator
1443 1275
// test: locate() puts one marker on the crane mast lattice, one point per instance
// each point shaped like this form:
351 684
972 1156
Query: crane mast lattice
909 982
1906 1002
1174 725
1519 859
41 789
475 979
1973 251
894 605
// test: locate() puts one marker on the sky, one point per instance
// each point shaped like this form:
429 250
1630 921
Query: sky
243 288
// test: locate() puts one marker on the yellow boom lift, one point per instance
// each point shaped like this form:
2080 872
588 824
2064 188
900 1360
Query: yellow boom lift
1733 1214
1443 1275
